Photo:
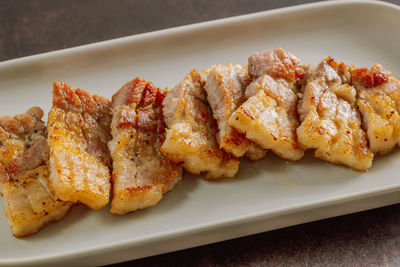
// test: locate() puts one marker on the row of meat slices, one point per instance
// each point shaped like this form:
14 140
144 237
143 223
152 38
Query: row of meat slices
91 146
133 148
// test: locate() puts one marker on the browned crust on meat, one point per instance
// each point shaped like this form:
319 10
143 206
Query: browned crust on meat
79 130
284 65
95 117
144 95
370 77
191 134
138 131
337 137
23 157
30 132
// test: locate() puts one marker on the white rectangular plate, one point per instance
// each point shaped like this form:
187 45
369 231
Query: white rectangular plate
266 195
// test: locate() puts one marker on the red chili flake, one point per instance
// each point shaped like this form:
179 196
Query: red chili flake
370 77
148 95
321 130
159 97
245 112
12 168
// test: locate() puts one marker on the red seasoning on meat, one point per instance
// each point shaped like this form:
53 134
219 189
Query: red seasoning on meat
79 129
379 103
330 120
24 175
141 174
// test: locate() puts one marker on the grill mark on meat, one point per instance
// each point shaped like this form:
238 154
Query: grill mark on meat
268 117
79 129
225 86
379 103
191 131
331 121
29 204
141 174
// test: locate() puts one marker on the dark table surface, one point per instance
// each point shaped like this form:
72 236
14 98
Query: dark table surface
370 238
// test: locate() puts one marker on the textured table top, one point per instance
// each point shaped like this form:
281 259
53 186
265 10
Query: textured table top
370 238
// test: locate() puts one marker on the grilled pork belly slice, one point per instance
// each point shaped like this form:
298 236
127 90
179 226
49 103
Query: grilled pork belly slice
379 103
268 124
79 129
277 63
269 116
191 131
29 204
225 88
141 174
330 120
